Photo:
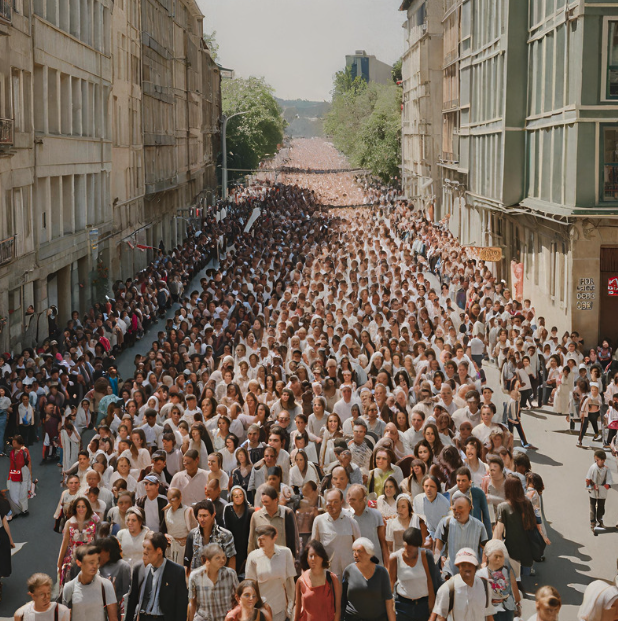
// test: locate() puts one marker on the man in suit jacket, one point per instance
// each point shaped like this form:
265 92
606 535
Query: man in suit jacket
158 586
152 504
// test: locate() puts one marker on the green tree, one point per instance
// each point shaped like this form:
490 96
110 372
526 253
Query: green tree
364 123
211 43
396 73
253 136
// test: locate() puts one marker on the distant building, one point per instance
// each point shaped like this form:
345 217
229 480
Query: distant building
421 71
369 68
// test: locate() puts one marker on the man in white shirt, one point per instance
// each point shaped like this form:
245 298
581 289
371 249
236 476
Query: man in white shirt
192 480
336 531
466 596
343 407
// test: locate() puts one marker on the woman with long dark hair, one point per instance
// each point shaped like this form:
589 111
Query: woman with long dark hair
514 519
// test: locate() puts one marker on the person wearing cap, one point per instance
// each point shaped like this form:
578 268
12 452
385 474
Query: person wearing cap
153 505
465 596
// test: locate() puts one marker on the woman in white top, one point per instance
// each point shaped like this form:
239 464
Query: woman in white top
411 570
70 445
131 538
83 416
123 471
228 453
478 469
215 465
138 454
196 443
397 526
387 502
179 521
302 470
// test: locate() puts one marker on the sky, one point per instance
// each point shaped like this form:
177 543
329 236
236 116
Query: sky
298 45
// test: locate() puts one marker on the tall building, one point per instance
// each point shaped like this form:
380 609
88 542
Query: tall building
528 149
369 68
421 71
103 140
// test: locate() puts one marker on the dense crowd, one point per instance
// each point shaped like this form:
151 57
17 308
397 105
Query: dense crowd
311 436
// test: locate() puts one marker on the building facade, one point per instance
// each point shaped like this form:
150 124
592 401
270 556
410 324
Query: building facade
421 71
529 141
369 68
78 174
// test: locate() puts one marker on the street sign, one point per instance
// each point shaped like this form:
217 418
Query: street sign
612 286
489 254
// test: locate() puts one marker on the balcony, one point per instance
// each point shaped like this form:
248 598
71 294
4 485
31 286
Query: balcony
7 134
7 250
6 11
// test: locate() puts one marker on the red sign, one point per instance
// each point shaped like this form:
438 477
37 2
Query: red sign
612 286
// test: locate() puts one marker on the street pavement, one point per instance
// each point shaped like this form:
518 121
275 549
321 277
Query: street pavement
575 558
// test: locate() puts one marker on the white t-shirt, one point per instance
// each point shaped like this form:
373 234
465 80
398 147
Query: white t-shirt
87 599
28 613
469 602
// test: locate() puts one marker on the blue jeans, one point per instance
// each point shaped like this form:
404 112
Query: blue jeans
412 610
3 419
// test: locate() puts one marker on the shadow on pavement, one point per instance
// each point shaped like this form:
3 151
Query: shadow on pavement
542 459
565 566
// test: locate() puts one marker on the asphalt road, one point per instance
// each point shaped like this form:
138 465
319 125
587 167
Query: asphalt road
575 558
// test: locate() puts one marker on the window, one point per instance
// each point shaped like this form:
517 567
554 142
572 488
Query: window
612 61
610 163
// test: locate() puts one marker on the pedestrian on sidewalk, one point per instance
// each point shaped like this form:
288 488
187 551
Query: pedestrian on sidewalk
513 417
590 412
598 481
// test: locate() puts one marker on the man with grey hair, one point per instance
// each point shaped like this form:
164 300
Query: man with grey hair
458 531
370 521
336 531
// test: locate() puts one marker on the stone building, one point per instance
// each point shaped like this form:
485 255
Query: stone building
102 142
422 100
529 141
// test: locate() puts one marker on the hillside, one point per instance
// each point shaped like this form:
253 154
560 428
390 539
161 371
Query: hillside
305 118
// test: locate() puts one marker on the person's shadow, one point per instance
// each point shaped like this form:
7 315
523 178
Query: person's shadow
564 568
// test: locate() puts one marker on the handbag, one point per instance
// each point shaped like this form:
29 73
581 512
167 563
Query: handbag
537 544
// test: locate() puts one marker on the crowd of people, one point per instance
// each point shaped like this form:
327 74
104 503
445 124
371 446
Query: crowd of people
311 435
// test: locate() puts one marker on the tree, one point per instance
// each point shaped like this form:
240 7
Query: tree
396 73
253 136
211 43
364 123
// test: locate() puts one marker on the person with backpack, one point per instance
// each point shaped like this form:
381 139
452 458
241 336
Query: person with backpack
318 590
41 607
466 596
89 596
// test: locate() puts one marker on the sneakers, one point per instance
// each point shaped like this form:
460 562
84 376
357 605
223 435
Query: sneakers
579 443
596 438
600 524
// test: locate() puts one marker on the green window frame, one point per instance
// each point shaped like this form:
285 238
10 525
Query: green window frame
612 60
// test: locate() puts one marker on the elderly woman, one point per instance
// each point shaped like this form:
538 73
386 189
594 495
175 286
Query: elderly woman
367 593
505 595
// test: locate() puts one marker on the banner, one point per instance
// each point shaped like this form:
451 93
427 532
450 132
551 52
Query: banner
517 279
487 254
254 216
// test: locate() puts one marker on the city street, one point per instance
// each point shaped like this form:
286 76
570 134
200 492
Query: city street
574 559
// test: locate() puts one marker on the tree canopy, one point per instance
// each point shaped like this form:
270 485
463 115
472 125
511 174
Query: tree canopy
253 136
365 123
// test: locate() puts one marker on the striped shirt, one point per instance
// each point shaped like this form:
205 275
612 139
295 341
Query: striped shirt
213 600
469 535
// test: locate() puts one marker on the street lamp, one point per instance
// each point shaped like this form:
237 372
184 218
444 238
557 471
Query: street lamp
224 121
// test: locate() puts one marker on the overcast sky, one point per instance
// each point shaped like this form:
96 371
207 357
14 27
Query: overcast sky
298 45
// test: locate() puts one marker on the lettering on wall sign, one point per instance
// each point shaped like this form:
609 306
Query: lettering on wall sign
612 286
586 293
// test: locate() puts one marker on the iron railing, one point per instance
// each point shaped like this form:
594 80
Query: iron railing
6 129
